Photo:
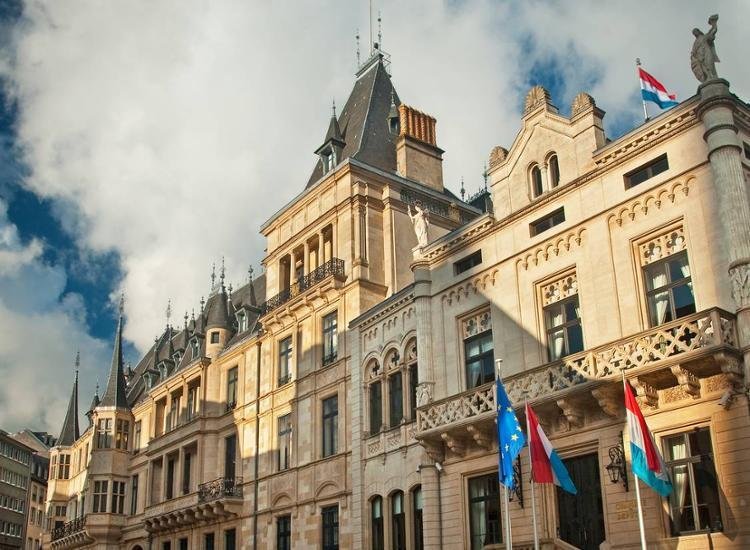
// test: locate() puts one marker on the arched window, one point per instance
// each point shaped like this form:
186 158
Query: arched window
376 514
536 181
416 502
398 521
395 399
376 406
554 171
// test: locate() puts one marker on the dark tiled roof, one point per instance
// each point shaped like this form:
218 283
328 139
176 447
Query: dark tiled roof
70 432
217 314
114 396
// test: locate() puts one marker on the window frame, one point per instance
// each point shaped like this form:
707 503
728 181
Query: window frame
398 521
480 357
284 537
492 499
565 326
375 406
283 460
100 496
417 507
535 179
647 169
329 520
668 287
330 423
467 262
547 222
232 388
553 170
395 399
285 353
330 338
377 528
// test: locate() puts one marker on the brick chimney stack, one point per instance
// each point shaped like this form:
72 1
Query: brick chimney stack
418 158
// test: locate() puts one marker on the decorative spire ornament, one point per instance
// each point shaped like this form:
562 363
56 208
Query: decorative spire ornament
213 275
463 191
359 64
185 318
168 311
250 274
380 32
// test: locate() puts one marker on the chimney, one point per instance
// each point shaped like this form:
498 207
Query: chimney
417 156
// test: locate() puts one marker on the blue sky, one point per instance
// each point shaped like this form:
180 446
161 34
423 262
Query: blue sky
139 142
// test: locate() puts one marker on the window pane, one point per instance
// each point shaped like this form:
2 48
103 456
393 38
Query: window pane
396 399
556 344
571 310
659 308
684 302
553 315
575 339
656 277
681 500
376 416
678 268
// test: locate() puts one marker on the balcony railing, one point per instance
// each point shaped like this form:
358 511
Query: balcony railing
687 338
224 487
333 266
69 528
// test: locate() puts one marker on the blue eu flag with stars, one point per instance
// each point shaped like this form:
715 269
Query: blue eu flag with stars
509 436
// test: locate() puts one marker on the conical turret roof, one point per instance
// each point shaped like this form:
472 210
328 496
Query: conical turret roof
69 432
114 396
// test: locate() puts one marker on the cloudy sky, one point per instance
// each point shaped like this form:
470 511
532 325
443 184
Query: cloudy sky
140 141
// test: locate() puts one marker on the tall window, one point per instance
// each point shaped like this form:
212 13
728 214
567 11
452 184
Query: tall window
376 407
137 436
330 426
174 411
285 441
230 539
100 496
376 515
330 338
232 388
413 383
694 501
537 188
484 511
186 472
183 544
192 402
171 463
398 521
241 322
417 504
122 434
330 518
395 399
230 456
284 532
669 289
64 469
479 359
104 434
134 495
563 323
285 360
118 497
553 171
208 541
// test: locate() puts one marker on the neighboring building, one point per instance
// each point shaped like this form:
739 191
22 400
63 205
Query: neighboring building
15 461
344 399
36 522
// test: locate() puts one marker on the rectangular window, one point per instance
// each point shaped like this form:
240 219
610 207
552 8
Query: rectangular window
642 173
464 264
376 407
330 338
118 497
104 434
413 383
330 426
284 533
241 322
484 511
547 222
746 148
230 456
64 469
417 517
166 545
215 337
285 360
183 544
479 354
137 437
395 399
171 462
186 467
230 539
563 323
376 511
173 419
100 496
330 519
669 289
232 388
208 541
121 434
192 402
134 495
285 441
694 501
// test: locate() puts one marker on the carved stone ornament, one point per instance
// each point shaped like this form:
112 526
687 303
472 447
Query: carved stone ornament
564 287
663 245
582 102
497 155
703 56
689 383
476 324
424 394
411 351
537 96
739 275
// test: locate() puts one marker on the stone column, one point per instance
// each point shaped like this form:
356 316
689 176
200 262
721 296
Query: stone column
291 269
422 292
306 258
717 109
545 177
320 255
431 523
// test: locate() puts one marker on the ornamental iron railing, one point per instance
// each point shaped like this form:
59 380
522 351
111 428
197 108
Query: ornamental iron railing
69 528
334 266
223 487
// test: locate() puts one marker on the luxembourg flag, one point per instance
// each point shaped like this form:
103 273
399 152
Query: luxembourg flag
653 90
647 462
546 466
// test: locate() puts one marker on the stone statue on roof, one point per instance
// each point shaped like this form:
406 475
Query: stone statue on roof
421 222
703 56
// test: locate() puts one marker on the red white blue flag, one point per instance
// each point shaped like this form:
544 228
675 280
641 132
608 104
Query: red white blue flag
645 457
546 466
655 91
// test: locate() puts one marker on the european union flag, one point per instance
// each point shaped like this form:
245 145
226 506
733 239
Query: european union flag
509 436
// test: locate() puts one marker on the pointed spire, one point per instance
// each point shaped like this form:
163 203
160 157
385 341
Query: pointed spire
114 395
222 273
184 325
463 190
70 433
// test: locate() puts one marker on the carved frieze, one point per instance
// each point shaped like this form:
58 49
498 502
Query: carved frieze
476 324
652 201
561 288
553 248
663 245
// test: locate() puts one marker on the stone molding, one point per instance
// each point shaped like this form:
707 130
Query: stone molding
480 282
552 248
559 289
662 245
653 199
476 324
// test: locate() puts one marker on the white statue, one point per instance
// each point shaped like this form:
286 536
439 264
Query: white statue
703 56
421 223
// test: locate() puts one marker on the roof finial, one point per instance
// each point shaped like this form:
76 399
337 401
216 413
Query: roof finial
484 175
96 391
121 307
357 39
333 107
229 288
203 303
380 32
78 362
168 312
185 318
463 191
250 274
213 275
192 315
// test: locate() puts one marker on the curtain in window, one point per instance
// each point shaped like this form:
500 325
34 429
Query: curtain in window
680 480
660 301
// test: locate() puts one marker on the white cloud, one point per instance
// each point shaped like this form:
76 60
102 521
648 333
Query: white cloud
169 131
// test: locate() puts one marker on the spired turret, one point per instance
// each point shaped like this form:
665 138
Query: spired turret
114 395
70 432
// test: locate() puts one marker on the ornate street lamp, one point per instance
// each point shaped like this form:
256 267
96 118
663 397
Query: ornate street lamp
617 467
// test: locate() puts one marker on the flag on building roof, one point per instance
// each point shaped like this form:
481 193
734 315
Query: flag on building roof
509 436
655 91
546 466
645 457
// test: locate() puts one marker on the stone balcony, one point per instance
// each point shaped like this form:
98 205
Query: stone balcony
71 535
697 353
214 501
332 268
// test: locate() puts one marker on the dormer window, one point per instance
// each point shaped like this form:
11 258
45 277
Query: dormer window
194 348
537 187
328 160
177 358
241 322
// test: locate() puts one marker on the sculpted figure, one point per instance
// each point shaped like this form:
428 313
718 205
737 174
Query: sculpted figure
421 223
703 57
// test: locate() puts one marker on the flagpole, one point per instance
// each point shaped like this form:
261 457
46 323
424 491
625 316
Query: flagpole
643 101
506 499
533 485
637 487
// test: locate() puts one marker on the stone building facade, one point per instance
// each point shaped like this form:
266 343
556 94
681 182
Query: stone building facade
344 399
15 471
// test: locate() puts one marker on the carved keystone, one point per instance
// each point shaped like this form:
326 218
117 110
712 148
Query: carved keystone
609 399
687 381
646 394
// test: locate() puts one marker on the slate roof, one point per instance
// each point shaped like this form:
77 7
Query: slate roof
69 432
114 396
